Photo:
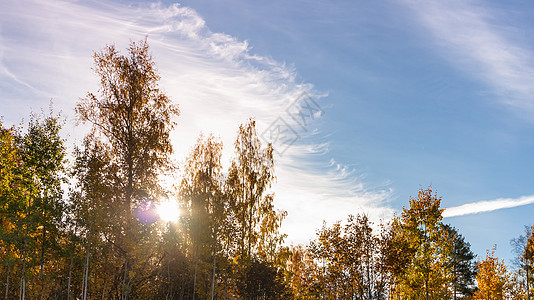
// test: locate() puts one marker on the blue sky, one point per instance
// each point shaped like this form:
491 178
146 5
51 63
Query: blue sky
413 93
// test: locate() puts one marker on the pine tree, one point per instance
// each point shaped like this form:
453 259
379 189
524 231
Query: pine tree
461 264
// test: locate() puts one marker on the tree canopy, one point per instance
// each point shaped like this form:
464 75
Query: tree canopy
90 228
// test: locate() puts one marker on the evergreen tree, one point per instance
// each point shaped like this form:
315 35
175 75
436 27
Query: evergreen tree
461 264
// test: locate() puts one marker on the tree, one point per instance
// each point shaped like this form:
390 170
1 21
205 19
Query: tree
43 152
255 222
528 256
461 264
250 176
133 119
32 209
493 280
351 261
303 273
97 206
367 259
423 274
202 191
397 253
262 280
133 115
523 248
14 191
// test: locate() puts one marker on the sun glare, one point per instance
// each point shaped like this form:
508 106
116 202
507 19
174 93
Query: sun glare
169 211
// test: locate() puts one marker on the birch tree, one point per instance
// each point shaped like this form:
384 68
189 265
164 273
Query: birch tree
202 190
250 176
132 118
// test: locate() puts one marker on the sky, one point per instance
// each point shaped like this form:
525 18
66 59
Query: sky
365 102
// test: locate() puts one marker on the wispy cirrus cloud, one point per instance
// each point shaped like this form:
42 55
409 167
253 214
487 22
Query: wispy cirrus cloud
473 37
214 77
486 206
469 35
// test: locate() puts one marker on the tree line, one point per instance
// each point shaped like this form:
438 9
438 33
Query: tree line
89 228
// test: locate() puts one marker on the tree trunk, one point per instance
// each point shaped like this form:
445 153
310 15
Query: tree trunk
104 290
426 287
249 230
129 231
70 275
43 244
528 281
455 281
42 253
23 275
182 289
214 261
7 280
195 278
225 285
169 294
86 275
124 289
250 218
370 282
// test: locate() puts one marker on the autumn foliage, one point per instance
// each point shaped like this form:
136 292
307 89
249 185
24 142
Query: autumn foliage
88 228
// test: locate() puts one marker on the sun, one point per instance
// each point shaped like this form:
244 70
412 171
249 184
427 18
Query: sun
169 211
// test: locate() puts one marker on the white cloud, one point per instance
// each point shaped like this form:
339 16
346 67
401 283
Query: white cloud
214 77
472 38
486 206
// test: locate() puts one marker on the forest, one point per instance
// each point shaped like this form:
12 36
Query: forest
89 227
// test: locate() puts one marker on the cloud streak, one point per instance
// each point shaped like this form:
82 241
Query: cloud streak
214 77
470 37
486 206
